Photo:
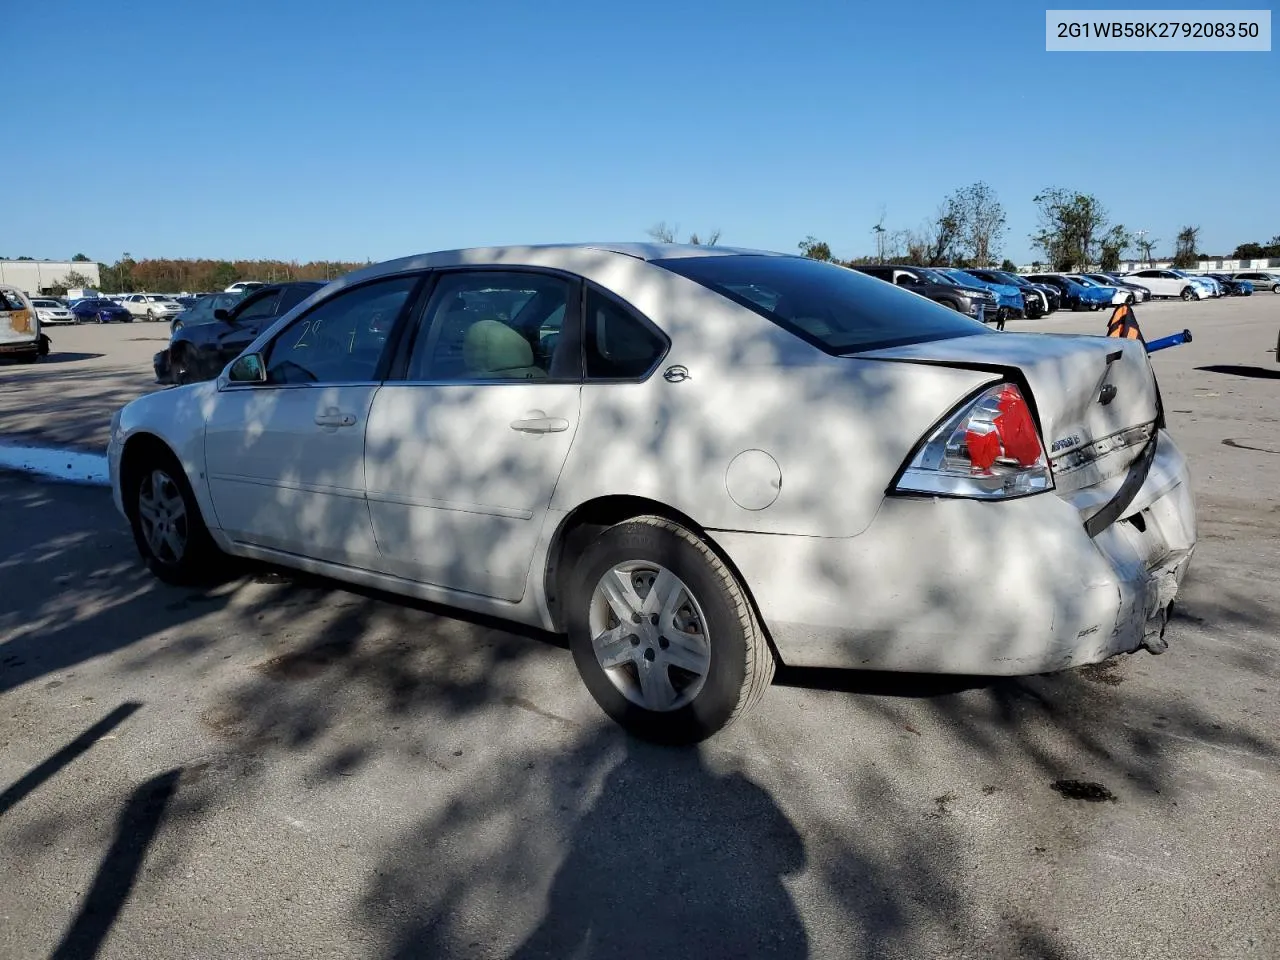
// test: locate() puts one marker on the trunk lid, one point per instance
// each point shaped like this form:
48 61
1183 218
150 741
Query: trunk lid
1095 397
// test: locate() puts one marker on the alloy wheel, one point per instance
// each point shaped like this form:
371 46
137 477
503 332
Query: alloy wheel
163 515
649 635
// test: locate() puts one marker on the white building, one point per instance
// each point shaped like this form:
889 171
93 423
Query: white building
34 277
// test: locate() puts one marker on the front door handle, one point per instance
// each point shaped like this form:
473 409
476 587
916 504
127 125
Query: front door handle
333 417
540 425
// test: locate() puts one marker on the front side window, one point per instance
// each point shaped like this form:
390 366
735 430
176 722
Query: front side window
342 339
836 309
264 306
618 344
492 325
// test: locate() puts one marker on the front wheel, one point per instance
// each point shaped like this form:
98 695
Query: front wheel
1188 293
1131 300
663 634
167 527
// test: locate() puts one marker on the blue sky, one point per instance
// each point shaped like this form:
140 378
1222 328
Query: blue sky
308 129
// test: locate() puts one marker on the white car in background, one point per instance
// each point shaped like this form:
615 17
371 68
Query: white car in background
1170 283
695 461
244 286
151 306
52 311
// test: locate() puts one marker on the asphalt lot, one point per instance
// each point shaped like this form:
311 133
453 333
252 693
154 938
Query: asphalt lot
285 767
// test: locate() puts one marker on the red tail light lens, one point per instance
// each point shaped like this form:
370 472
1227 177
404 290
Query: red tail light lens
989 449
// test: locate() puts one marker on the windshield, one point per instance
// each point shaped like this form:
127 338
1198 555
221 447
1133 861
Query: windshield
935 276
1014 281
834 308
965 279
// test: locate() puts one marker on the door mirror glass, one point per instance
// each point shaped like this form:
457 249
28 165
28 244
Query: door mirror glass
248 369
221 314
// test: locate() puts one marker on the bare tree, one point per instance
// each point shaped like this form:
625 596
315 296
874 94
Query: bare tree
661 233
981 222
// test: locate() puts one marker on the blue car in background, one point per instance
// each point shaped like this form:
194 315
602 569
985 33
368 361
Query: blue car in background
1009 300
1076 295
100 311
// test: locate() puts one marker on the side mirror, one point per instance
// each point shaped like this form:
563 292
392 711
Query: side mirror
221 314
248 369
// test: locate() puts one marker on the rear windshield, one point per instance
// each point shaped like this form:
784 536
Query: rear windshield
834 308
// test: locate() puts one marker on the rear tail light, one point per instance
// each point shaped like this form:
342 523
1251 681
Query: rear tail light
988 449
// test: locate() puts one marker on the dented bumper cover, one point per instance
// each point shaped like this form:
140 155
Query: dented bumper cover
960 586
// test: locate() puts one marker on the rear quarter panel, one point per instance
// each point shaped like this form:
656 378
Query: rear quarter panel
837 429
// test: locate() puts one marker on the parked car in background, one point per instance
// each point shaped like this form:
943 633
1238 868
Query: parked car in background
1009 299
1216 289
505 431
199 350
1114 293
1036 300
82 293
1168 283
973 301
101 310
1075 296
20 336
203 309
187 301
151 306
1232 287
1142 294
1261 280
244 286
52 311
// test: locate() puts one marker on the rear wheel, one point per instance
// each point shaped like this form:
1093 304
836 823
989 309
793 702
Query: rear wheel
151 314
663 634
1187 293
167 526
1131 299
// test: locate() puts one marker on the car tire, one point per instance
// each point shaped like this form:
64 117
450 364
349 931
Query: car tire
151 315
156 492
726 663
1131 300
1187 293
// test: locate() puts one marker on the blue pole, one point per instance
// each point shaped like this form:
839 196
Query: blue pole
1173 340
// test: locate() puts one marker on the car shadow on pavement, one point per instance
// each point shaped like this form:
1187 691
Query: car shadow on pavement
55 357
705 855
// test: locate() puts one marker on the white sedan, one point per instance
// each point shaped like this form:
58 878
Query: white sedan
52 311
696 462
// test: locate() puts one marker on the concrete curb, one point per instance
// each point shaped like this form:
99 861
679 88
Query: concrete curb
63 465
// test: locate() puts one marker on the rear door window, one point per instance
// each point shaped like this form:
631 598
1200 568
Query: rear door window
835 309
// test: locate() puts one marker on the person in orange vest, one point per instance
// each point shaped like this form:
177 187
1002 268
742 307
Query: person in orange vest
1124 324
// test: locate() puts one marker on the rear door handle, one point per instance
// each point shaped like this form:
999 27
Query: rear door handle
540 425
334 417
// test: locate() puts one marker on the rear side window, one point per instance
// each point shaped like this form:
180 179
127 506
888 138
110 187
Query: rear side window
834 308
618 344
